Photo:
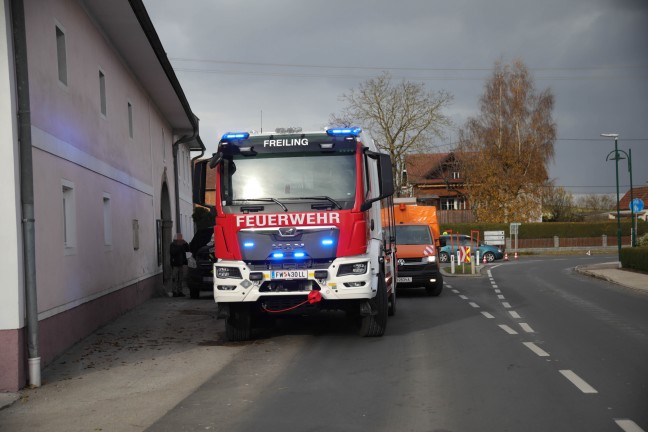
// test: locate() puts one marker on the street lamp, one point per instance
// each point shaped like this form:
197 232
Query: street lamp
616 160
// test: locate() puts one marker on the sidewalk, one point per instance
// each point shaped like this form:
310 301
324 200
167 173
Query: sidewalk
127 374
612 272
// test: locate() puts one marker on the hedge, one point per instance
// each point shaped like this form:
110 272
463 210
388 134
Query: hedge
635 258
551 229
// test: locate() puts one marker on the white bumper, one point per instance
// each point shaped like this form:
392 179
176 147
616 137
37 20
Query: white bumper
334 287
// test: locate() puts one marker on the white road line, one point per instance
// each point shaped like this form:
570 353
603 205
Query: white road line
536 349
488 272
526 327
628 425
487 315
498 291
578 381
494 285
507 305
501 297
473 304
508 329
455 291
463 297
515 314
448 285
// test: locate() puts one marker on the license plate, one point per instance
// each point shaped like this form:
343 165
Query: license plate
290 274
403 279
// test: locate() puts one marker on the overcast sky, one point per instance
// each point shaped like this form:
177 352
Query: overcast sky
247 65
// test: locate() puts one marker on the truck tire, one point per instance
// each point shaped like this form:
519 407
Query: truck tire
434 289
375 325
238 325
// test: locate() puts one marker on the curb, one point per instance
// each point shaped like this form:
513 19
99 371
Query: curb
8 399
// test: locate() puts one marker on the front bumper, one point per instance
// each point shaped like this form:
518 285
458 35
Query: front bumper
418 275
333 287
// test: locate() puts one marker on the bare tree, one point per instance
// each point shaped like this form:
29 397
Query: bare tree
506 148
402 117
597 202
558 204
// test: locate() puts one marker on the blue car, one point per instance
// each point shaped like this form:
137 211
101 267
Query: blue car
450 243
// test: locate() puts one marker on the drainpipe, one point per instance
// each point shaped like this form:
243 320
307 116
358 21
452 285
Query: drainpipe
26 189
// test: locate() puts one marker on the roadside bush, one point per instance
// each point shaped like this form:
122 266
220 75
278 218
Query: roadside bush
635 258
643 240
550 229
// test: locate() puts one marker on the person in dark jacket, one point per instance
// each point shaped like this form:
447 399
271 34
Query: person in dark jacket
178 250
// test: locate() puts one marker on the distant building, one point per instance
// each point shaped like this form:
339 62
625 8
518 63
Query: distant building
436 179
109 131
624 203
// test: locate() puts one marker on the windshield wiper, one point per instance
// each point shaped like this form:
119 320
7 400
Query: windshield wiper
274 200
321 197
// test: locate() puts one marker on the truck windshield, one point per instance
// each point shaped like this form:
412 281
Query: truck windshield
328 179
413 235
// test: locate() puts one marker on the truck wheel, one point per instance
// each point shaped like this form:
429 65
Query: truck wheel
238 325
434 289
444 257
375 325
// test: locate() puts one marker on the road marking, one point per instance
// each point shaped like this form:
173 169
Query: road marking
473 304
494 285
515 314
501 297
455 291
487 315
497 291
507 305
508 329
526 327
536 349
448 285
628 425
490 275
578 381
463 297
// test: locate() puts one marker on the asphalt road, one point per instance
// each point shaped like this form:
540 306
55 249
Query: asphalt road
529 347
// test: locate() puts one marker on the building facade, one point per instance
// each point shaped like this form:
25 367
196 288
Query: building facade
110 132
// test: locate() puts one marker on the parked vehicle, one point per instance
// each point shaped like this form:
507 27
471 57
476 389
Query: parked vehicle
299 228
417 260
450 243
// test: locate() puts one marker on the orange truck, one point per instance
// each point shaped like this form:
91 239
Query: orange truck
417 237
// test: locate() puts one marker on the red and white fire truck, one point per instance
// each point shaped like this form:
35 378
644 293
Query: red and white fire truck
299 228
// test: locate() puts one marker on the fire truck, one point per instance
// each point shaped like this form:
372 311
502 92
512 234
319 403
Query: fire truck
299 228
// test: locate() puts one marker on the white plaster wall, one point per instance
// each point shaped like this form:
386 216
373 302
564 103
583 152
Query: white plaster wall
11 288
75 143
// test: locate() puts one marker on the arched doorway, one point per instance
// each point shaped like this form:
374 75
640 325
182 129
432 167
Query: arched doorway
166 234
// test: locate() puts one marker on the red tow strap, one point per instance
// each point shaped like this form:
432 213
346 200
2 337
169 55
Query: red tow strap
313 297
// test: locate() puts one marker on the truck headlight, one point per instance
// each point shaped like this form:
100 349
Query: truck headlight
228 273
431 258
352 269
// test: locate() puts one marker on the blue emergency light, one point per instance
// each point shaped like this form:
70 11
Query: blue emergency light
278 255
352 131
299 255
327 242
248 244
233 136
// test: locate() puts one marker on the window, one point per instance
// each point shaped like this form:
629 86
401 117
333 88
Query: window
61 55
455 175
107 220
453 204
69 217
130 119
102 92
